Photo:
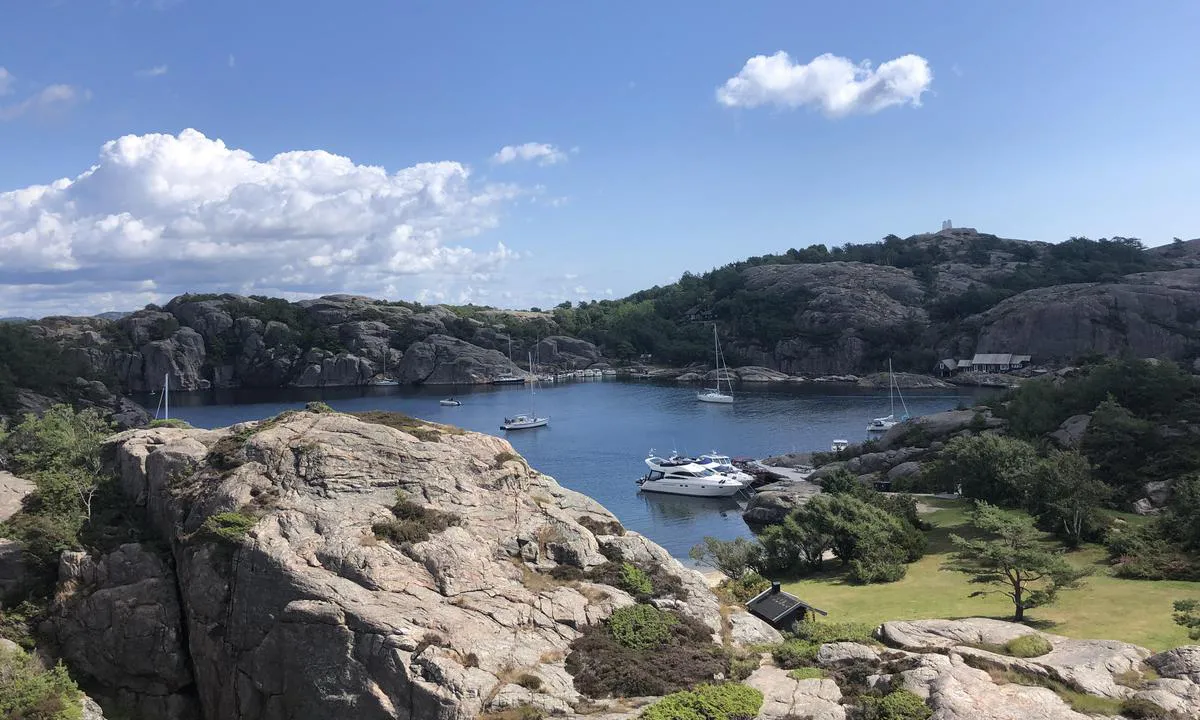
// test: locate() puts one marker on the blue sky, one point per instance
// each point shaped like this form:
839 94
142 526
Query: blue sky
1035 120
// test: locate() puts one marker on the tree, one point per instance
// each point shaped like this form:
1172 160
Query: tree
990 468
1187 614
1067 499
1014 559
733 557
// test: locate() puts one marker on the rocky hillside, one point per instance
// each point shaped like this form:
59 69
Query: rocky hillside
230 341
320 565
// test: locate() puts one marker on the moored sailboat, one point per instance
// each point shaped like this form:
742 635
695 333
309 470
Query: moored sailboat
715 395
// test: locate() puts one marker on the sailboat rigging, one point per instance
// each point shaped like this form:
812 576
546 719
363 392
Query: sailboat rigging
715 395
883 424
164 400
508 378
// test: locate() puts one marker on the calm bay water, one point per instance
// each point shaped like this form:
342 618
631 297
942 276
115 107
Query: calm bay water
601 430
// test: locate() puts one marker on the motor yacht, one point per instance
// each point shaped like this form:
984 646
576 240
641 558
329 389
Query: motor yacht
687 478
449 402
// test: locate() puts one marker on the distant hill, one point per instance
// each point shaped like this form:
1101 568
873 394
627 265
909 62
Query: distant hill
14 319
811 311
113 315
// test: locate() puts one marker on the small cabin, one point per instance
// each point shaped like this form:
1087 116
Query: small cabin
780 609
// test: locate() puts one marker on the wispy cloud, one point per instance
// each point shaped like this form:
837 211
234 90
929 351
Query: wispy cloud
51 97
835 85
155 71
541 153
6 81
232 61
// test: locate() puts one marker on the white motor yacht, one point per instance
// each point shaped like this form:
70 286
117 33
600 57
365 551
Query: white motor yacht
839 445
724 465
449 402
687 478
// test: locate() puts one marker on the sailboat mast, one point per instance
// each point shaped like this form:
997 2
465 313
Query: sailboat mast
532 412
167 396
717 357
891 388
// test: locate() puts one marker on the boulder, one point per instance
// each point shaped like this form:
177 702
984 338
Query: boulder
1070 433
772 503
445 360
903 470
785 698
837 653
746 629
13 491
308 614
1181 663
756 374
957 691
321 368
16 578
935 426
116 620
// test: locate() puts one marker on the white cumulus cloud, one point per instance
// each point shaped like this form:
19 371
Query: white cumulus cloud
542 153
158 215
833 84
155 71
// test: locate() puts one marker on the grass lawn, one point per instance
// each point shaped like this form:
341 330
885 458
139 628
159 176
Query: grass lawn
1136 611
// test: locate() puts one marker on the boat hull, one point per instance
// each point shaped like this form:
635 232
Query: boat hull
508 381
527 425
717 398
449 403
678 487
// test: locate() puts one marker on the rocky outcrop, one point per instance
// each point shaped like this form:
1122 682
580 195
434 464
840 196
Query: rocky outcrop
15 578
1070 433
308 615
785 698
117 620
321 368
567 353
935 427
772 503
1147 314
445 360
1181 663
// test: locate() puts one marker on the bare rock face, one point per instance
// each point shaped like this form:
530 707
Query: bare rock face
772 503
15 580
321 368
445 360
308 615
1070 433
1181 663
1086 665
13 491
568 353
785 697
1148 314
746 629
117 620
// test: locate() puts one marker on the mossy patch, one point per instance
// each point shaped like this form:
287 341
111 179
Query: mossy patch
420 429
412 523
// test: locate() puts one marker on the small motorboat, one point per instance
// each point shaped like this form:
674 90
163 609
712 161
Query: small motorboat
839 445
449 402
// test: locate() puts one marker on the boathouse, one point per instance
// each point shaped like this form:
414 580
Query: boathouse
780 609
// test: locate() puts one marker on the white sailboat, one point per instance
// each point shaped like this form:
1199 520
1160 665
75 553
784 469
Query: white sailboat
523 421
715 395
164 400
509 378
883 424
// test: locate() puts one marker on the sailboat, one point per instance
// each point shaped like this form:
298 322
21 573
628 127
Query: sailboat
523 421
510 379
715 395
883 424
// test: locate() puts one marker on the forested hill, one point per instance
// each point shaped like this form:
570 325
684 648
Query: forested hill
814 311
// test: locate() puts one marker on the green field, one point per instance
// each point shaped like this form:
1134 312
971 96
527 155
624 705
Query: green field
1106 607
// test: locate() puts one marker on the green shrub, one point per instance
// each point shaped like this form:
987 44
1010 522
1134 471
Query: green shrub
876 570
663 584
230 527
828 632
318 407
896 705
806 673
634 580
420 429
529 681
743 588
1027 646
641 626
598 527
742 666
727 701
795 653
603 667
170 423
28 692
412 523
1143 709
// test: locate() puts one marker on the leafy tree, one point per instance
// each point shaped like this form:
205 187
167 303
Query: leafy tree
29 692
991 468
732 557
1067 499
1187 614
1014 559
